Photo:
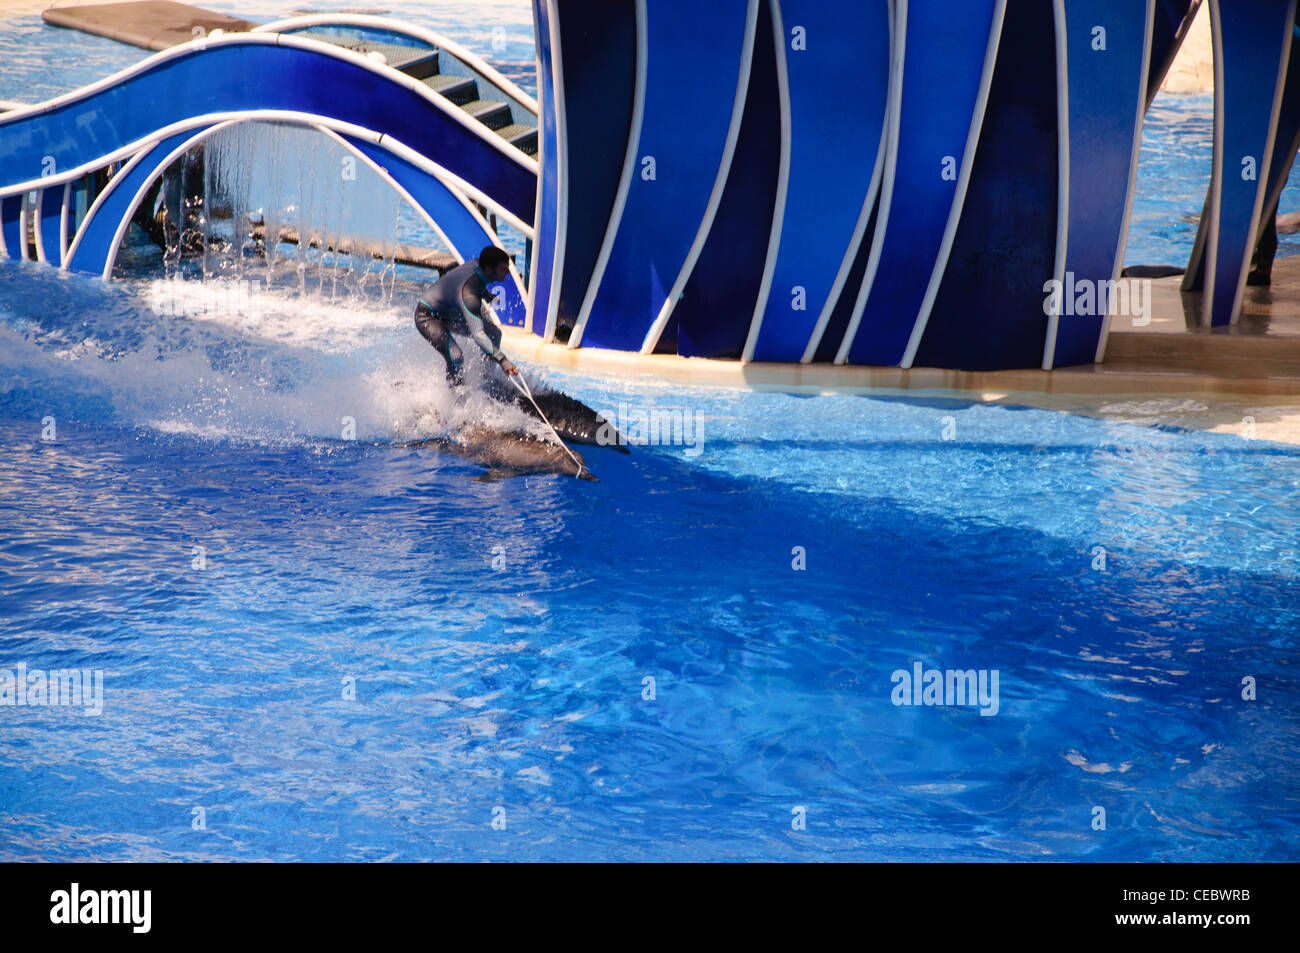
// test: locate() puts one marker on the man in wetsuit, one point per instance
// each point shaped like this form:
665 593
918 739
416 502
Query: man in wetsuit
459 303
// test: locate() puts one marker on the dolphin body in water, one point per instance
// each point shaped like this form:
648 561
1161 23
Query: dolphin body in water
573 420
508 454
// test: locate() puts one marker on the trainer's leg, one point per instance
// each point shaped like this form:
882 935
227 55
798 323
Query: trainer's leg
434 330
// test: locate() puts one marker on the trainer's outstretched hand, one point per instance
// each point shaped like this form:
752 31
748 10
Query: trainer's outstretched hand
509 368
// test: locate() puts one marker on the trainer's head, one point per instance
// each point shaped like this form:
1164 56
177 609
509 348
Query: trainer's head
494 263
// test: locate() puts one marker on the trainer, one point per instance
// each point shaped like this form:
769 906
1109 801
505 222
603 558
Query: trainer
458 303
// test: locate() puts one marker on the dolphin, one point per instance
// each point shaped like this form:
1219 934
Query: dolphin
573 420
508 454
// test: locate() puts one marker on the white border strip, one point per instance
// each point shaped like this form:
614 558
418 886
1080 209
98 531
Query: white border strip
782 186
200 45
893 123
963 180
396 146
561 173
1214 203
719 184
529 299
860 228
37 231
1261 179
23 248
1132 172
434 39
630 157
64 215
1062 176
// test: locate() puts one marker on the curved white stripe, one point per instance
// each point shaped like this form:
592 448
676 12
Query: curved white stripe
719 184
431 37
64 214
1143 94
1214 204
893 122
782 185
396 146
1261 178
530 302
202 44
37 231
963 180
23 248
859 229
625 178
562 173
1062 175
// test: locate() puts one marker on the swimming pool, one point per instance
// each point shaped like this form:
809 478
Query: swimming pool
497 636
318 644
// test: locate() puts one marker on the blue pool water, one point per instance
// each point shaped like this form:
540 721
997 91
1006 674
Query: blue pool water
520 686
319 648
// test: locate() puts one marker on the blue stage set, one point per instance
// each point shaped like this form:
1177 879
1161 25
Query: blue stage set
758 180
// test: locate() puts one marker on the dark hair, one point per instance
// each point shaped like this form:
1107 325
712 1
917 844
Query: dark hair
491 257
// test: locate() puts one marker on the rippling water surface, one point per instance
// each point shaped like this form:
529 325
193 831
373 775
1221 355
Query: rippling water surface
350 649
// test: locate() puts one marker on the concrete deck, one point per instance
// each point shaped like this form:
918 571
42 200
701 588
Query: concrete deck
1169 372
150 24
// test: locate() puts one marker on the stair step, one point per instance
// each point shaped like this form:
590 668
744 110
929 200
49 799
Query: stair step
459 89
491 112
520 136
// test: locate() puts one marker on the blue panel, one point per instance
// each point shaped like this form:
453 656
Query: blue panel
1254 38
1106 88
1169 21
989 311
833 333
51 216
461 227
718 301
286 78
599 54
943 64
10 210
662 215
1287 139
96 239
547 220
833 144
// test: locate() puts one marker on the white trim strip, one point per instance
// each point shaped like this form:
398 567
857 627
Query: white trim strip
201 44
1062 175
530 298
64 215
782 186
893 123
625 177
1143 92
37 231
719 184
963 180
1261 178
1214 204
396 146
23 248
859 229
437 40
561 173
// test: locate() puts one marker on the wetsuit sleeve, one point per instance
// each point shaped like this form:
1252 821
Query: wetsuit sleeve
482 329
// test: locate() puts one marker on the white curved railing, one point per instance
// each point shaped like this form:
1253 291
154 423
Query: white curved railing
437 40
270 39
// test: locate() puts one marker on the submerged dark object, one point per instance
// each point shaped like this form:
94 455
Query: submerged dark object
1150 271
574 421
509 454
